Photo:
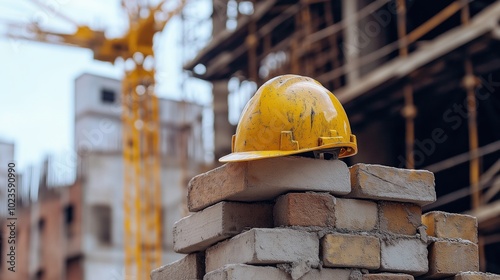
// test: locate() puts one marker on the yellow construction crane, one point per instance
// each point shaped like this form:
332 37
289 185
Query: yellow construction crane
141 123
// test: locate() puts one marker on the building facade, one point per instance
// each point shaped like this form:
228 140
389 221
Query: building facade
76 231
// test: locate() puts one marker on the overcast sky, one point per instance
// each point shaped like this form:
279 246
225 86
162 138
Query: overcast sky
36 97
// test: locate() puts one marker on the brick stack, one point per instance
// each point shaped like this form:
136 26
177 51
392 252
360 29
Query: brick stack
299 218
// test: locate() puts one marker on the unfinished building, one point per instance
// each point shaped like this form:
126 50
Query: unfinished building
75 230
98 141
419 81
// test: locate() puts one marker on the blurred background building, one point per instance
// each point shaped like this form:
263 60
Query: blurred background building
73 229
419 81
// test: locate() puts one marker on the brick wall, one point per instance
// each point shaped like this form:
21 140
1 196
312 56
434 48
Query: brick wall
300 218
23 228
48 240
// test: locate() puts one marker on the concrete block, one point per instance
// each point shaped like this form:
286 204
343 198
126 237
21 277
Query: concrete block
249 272
474 275
191 267
218 222
399 218
447 258
355 214
447 225
354 251
379 182
404 255
305 209
265 246
266 179
388 276
327 274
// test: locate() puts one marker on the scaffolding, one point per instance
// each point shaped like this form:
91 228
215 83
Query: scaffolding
394 60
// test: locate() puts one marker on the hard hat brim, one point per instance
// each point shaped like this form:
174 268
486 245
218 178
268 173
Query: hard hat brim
256 155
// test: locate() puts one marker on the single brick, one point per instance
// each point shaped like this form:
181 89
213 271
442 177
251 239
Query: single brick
305 209
191 267
404 255
447 225
388 276
266 179
355 214
249 272
447 258
474 275
218 222
354 251
379 182
265 246
399 218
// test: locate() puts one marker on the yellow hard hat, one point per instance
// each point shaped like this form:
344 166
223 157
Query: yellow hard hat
289 115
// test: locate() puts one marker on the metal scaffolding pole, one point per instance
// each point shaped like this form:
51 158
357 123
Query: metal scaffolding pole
470 83
409 111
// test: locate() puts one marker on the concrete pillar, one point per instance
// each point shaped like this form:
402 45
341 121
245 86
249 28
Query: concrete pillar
350 46
223 130
219 16
372 34
363 36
